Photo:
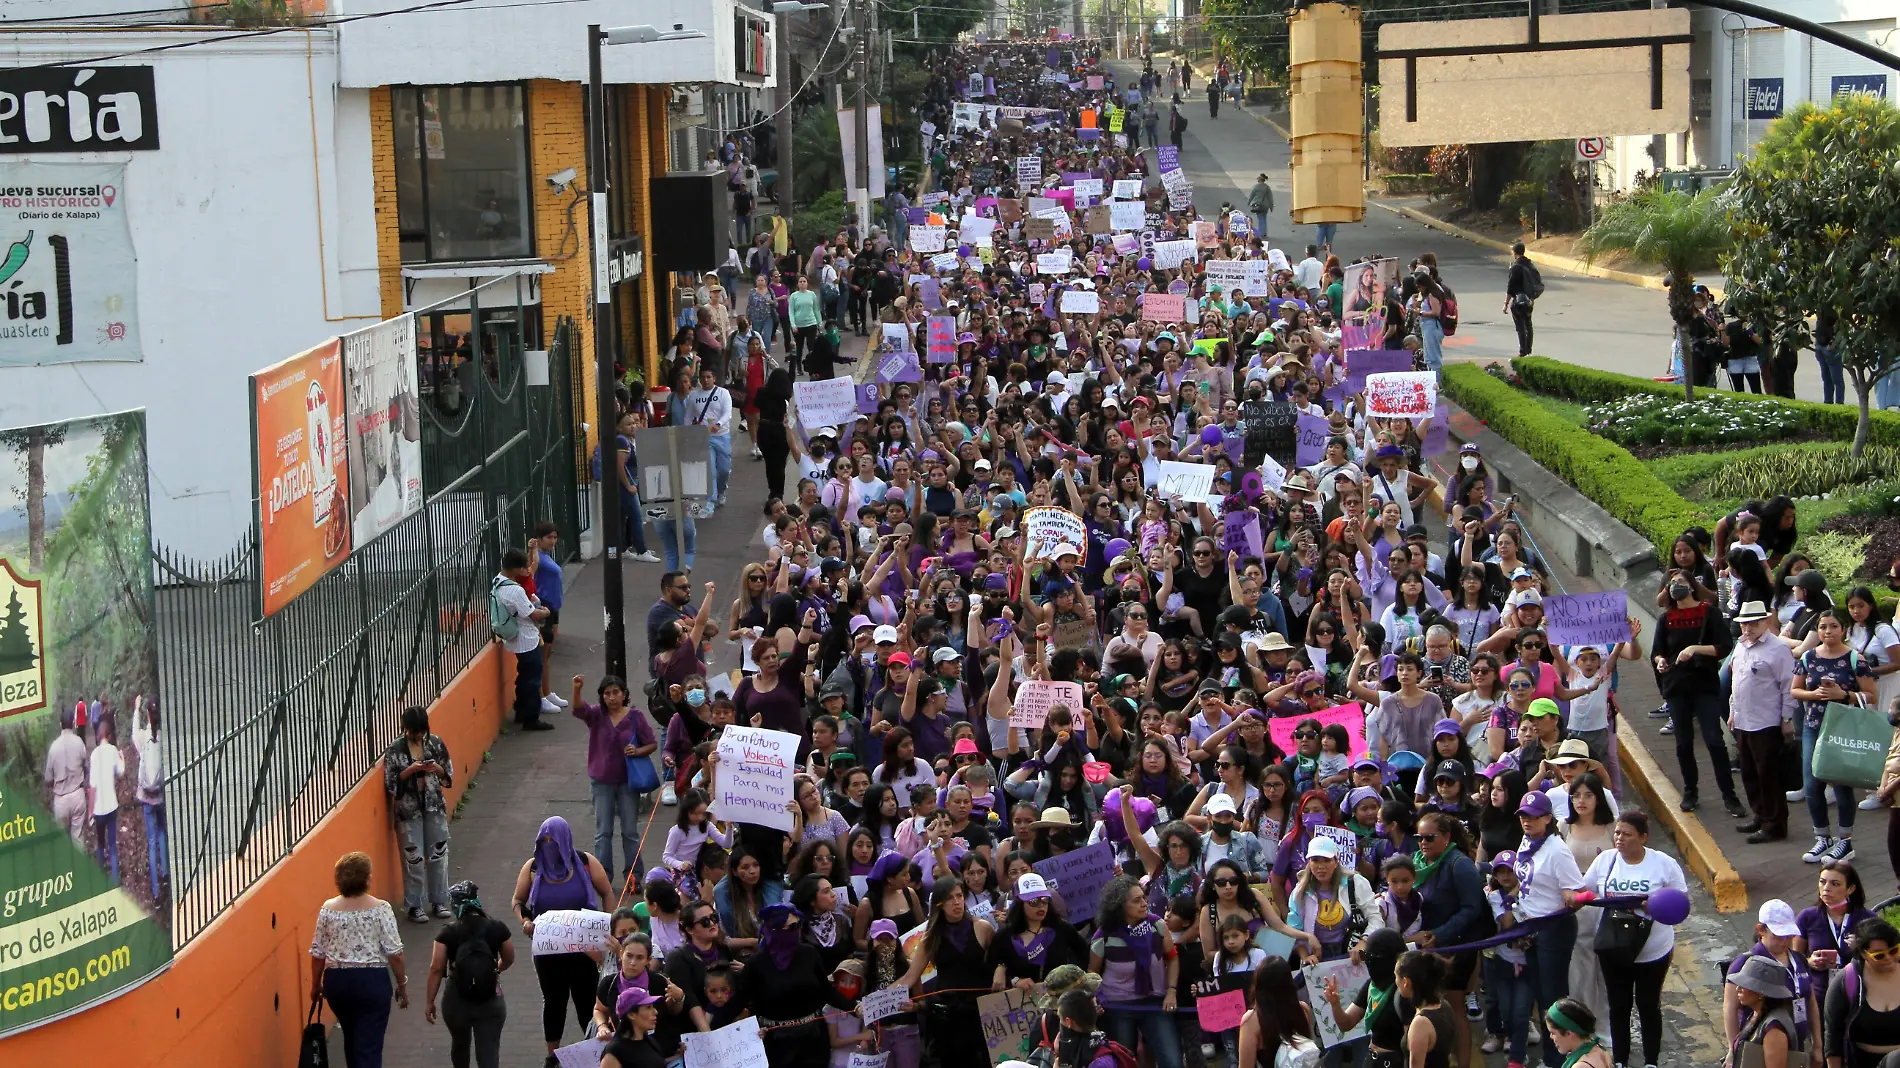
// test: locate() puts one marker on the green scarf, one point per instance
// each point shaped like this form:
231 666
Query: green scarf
1426 868
1362 831
1580 1052
1376 998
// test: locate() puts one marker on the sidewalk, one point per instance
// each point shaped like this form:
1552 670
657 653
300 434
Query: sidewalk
528 777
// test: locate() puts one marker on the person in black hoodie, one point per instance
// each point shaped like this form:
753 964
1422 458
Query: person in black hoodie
1687 654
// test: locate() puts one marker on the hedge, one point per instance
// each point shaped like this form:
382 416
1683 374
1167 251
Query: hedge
1589 386
1599 468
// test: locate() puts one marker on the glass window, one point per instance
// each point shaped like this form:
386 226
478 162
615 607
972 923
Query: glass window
462 183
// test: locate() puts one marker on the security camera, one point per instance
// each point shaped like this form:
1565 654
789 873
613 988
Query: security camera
560 179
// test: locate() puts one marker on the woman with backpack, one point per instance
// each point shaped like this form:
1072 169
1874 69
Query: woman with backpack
1855 1032
1428 306
471 952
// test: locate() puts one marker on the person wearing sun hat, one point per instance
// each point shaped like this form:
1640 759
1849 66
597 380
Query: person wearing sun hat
1572 760
1762 715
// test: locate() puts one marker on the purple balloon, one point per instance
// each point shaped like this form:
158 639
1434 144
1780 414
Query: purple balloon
1211 435
1112 815
1144 264
1115 548
1668 906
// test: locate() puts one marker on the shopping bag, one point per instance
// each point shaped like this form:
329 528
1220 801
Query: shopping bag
643 779
1852 747
313 1049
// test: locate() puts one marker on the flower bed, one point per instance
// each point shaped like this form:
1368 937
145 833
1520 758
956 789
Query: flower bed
1646 419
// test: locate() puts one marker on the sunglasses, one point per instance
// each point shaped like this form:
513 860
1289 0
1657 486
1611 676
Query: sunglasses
1228 880
1224 765
1530 645
1311 693
1523 686
1429 837
1136 615
1203 552
1306 734
1880 956
706 921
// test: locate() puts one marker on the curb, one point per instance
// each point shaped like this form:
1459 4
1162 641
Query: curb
1660 795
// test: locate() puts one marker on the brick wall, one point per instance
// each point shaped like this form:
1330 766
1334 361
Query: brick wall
382 142
557 139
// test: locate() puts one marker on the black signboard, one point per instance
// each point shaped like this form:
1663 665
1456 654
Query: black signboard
78 109
1272 429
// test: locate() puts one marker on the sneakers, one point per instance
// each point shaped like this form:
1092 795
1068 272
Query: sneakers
537 724
557 699
1492 1043
1819 851
1474 1010
549 706
648 557
442 912
1734 807
1534 1034
1659 712
1871 801
1797 795
668 795
756 454
1689 801
1668 728
1841 849
416 915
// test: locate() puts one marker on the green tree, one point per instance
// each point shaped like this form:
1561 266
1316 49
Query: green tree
1252 33
29 444
817 154
1814 214
1678 231
936 22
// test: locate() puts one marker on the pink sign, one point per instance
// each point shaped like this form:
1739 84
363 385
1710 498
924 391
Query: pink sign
1352 715
942 334
1163 307
1095 83
1221 1012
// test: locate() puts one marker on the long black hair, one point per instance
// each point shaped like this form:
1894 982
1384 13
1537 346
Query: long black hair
1277 1008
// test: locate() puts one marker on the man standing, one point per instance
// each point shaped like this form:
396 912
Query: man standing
515 619
1761 715
1309 272
1521 290
1260 205
676 595
1151 123
66 775
710 406
899 207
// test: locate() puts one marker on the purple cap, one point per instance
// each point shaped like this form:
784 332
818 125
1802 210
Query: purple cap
966 338
1447 726
996 582
1535 803
1496 769
1504 858
1368 762
858 623
632 998
879 928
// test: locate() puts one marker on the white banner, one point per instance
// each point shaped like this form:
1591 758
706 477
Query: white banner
1088 187
944 262
974 230
1061 261
1080 302
754 781
571 930
826 403
1245 276
1411 394
1173 253
69 273
926 239
1045 527
1126 214
736 1045
1177 479
848 143
384 428
1028 171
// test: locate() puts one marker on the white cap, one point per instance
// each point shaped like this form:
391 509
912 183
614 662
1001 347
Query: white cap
1220 803
1323 847
1065 550
944 655
1778 916
1005 532
885 633
1030 887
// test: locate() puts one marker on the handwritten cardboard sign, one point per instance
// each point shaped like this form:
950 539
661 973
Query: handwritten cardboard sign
1163 307
1127 189
736 1045
1351 715
1079 876
1059 262
583 1054
1240 532
1411 394
1124 215
1587 618
825 403
1187 481
571 930
881 1003
1006 1017
1221 1012
754 780
1348 843
1349 976
899 366
1081 302
1029 170
1170 254
926 238
1038 696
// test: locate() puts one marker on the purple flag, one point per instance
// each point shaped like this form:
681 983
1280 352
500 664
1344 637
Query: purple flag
1313 431
867 399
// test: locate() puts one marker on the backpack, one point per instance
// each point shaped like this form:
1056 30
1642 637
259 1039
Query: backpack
1533 282
1448 316
501 618
473 970
1297 1051
1100 1044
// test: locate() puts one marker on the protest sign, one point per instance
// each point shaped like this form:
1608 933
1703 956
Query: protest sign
1126 215
926 238
825 403
1313 430
868 1060
913 943
736 1045
1036 697
583 1054
1238 276
1170 254
1059 262
1095 83
1081 302
1088 187
1040 205
1205 233
573 930
1364 363
1187 481
1045 527
1163 307
755 776
867 399
1351 715
1348 976
1438 431
1363 330
1074 634
975 230
1038 293
1402 393
881 1003
1272 429
1127 189
1587 618
1169 157
1348 844
1272 474
1079 876
1006 1017
1029 170
899 366
944 262
941 332
1125 244
1222 1012
1240 532
1180 191
1039 228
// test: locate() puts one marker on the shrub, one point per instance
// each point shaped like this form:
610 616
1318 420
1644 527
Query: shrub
1800 472
1651 420
1599 468
1838 554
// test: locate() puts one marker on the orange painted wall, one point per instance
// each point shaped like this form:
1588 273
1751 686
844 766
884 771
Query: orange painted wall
237 994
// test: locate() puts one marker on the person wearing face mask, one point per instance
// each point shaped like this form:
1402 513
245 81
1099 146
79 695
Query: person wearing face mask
683 734
1471 468
1687 654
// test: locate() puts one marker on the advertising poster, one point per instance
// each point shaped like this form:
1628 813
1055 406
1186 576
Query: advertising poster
303 520
83 848
68 274
384 431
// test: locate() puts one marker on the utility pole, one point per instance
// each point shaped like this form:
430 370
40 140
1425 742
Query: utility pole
866 16
782 191
613 596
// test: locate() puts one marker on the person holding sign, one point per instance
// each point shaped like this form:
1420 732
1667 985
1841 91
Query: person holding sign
784 983
1377 1005
957 945
559 876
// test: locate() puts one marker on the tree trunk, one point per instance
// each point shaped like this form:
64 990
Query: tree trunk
1863 388
1688 363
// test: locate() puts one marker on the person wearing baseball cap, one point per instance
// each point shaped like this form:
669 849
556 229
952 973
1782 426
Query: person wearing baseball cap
1775 932
1033 941
636 1015
1549 885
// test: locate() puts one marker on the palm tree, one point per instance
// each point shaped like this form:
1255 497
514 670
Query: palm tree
1680 232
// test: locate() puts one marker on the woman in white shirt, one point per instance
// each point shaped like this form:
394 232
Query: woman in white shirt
1633 869
866 487
1548 882
1134 637
1878 644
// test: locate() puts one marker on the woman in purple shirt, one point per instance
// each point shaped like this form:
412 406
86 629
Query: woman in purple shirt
616 733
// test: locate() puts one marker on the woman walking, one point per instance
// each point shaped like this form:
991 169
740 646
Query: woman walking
1639 950
558 876
471 953
352 955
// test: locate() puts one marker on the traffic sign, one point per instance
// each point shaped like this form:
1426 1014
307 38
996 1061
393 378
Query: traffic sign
1590 148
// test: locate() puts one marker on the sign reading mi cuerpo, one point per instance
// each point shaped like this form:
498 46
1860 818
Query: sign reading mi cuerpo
68 275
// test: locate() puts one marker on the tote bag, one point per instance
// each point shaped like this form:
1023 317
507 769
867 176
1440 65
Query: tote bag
1852 747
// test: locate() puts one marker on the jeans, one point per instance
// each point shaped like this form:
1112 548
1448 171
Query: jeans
633 527
1833 385
1259 224
482 1022
1433 334
1817 797
616 800
900 230
1638 986
106 838
1512 996
1549 972
1323 234
743 224
155 843
1687 712
1521 318
903 1042
425 852
528 686
1152 1026
721 446
667 530
360 999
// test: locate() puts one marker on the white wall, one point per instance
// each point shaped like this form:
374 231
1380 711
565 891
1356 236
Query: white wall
1790 58
233 270
506 40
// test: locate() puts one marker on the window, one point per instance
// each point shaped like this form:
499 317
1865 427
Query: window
462 182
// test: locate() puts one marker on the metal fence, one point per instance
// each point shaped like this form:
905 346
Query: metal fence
272 723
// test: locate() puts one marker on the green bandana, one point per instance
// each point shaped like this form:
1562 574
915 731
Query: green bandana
1580 1052
1361 830
1376 998
1425 868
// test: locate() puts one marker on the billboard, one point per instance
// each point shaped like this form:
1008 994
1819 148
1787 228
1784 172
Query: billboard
68 277
83 835
301 479
383 435
1472 81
